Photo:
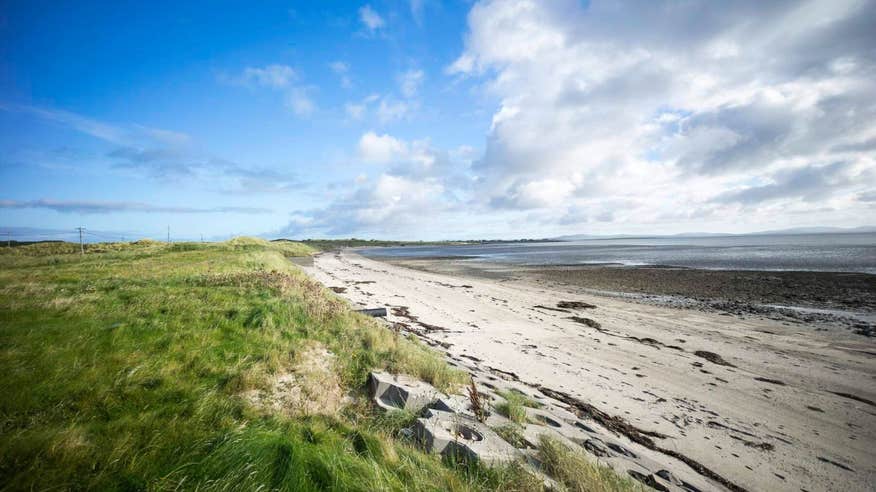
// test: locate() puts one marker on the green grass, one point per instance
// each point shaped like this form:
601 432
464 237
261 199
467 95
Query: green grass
577 473
514 406
123 369
512 433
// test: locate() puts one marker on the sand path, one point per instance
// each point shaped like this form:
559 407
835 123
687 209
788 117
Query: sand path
792 410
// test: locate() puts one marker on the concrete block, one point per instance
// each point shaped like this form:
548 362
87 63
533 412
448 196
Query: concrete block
464 438
391 391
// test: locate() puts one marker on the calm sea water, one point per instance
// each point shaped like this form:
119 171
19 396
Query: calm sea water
814 252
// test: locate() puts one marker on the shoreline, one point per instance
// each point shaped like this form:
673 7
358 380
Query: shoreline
821 300
766 404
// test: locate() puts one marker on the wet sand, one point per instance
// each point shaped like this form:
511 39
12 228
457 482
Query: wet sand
766 404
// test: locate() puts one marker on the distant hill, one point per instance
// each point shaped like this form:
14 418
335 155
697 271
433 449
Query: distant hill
794 230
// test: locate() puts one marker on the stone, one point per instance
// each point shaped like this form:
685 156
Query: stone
400 392
464 438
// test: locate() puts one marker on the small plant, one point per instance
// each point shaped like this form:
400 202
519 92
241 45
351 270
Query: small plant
477 402
513 410
518 397
512 434
514 406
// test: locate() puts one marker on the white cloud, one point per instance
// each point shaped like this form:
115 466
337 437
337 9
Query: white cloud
339 67
280 78
410 82
594 108
417 7
370 18
342 70
274 76
387 204
298 100
381 149
355 111
390 109
639 116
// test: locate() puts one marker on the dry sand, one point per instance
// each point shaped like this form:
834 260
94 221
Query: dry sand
765 405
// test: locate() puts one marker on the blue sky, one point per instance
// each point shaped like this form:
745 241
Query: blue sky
429 119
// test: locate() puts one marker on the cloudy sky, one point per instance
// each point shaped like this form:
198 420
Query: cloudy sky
429 119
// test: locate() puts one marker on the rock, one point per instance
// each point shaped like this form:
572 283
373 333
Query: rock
464 438
401 392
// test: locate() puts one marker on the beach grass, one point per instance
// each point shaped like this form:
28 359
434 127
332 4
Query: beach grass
515 405
577 473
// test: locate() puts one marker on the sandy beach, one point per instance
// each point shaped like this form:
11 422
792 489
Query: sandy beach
764 403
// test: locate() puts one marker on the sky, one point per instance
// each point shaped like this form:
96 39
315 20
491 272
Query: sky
429 119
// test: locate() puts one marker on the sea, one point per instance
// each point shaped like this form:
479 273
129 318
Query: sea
831 252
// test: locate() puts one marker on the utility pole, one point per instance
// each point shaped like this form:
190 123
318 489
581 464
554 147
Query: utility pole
202 238
8 239
81 246
168 234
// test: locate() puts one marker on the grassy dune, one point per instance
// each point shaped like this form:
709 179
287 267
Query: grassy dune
137 366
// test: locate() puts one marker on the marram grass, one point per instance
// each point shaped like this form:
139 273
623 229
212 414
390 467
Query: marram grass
124 369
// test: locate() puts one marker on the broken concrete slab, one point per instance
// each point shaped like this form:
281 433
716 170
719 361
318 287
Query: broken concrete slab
464 438
401 392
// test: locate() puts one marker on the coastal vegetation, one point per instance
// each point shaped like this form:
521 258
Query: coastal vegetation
514 406
205 366
336 244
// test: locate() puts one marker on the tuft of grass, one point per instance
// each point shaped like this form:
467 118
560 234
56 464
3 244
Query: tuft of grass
511 433
519 398
514 411
514 406
576 472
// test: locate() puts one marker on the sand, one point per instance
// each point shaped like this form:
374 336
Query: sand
764 404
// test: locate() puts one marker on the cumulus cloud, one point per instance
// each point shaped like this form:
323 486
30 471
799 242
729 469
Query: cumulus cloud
98 207
658 116
809 183
389 204
381 149
658 107
370 18
412 178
